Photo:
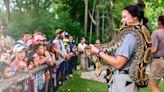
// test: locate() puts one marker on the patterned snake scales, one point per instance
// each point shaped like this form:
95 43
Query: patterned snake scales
142 54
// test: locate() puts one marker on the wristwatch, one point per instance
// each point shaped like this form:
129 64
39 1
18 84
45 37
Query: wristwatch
98 52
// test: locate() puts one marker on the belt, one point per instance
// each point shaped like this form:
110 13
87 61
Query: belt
159 57
122 72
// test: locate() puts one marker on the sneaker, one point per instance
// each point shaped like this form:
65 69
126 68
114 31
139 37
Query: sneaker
70 75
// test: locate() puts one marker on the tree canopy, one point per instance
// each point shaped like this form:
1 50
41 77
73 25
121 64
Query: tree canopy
103 16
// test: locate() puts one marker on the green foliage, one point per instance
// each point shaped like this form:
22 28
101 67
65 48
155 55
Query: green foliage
28 23
77 9
154 8
48 15
65 22
2 17
94 38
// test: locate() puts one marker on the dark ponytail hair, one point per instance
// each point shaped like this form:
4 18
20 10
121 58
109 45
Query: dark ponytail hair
141 4
161 19
138 12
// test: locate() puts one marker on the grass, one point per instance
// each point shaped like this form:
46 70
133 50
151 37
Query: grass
77 84
161 87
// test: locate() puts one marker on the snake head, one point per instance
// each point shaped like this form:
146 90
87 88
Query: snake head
88 50
91 55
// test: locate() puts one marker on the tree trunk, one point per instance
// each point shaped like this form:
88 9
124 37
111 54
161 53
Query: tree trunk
19 6
91 26
103 27
8 15
111 21
86 18
35 4
97 21
110 33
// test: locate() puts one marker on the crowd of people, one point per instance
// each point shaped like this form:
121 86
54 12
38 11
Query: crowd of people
32 51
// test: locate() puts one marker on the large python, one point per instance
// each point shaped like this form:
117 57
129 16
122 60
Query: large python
142 54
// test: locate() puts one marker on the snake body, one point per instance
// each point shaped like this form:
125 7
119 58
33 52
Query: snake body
142 54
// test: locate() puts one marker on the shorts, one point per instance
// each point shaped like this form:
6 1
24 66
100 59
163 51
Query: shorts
156 69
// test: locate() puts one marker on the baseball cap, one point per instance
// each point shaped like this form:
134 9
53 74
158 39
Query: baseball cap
33 41
83 38
65 33
58 31
18 48
39 37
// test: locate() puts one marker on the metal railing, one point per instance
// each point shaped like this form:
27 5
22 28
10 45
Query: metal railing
21 78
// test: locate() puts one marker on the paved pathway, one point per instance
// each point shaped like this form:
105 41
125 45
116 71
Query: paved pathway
92 75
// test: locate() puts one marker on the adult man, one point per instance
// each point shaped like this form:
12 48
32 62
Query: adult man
24 39
60 45
9 40
157 65
98 65
63 53
83 58
72 61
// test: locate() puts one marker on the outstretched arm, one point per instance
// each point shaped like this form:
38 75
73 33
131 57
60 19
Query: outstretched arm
118 61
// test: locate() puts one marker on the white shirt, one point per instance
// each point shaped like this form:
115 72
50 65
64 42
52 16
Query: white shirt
82 46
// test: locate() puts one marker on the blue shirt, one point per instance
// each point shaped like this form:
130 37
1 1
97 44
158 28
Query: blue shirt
71 46
127 49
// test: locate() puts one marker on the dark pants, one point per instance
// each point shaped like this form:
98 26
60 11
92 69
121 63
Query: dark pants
52 82
70 66
74 62
61 72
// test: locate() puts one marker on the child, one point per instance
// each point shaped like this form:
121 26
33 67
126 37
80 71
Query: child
29 83
40 59
18 63
6 70
75 57
55 55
